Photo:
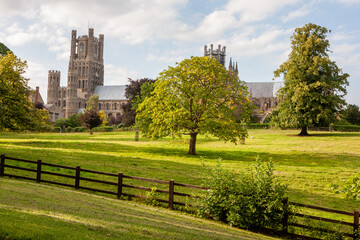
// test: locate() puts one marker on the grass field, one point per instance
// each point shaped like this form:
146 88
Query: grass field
33 211
307 164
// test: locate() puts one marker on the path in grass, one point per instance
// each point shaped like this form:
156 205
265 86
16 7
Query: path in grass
37 211
307 164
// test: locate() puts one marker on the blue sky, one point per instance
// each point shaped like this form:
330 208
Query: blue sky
143 37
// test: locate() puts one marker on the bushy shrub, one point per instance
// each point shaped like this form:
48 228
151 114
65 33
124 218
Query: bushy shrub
79 129
350 187
68 129
254 202
103 129
258 126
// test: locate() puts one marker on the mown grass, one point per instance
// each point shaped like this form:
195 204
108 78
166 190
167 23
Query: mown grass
308 165
34 211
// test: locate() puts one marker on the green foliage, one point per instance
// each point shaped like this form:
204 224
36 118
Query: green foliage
350 187
72 121
93 103
347 127
16 110
3 49
79 129
352 114
103 129
151 197
254 202
136 91
258 125
196 96
313 84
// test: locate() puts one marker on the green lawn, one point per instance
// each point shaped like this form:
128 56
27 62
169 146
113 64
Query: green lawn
36 211
307 164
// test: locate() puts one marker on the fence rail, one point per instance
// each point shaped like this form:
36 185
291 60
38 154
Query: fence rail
119 183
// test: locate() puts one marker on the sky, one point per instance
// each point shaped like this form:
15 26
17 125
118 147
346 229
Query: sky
144 37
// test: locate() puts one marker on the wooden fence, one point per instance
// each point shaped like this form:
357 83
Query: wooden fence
120 185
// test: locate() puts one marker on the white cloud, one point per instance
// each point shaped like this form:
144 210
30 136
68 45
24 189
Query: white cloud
115 75
301 12
37 73
349 2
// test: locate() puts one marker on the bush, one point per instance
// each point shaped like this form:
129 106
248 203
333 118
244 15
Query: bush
350 187
79 129
254 202
346 127
103 129
68 129
258 126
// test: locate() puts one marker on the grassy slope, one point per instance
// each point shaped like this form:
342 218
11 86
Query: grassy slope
307 164
34 211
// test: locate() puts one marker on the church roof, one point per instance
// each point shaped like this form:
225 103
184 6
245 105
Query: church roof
263 89
115 92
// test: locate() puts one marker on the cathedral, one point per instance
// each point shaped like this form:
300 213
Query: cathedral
86 77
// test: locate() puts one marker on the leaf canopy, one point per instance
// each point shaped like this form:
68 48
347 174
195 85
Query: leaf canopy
314 86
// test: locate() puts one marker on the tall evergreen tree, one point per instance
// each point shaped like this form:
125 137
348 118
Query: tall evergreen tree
314 86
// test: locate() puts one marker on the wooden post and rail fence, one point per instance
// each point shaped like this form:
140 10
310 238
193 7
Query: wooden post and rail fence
120 185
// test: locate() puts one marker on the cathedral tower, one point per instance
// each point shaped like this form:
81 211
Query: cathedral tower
219 53
86 70
53 87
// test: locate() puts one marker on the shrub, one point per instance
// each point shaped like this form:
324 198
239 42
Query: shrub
254 202
79 129
350 187
68 129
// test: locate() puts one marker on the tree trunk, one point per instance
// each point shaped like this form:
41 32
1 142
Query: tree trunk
192 149
303 132
91 132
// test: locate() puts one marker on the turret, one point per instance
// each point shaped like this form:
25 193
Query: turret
219 53
73 45
53 87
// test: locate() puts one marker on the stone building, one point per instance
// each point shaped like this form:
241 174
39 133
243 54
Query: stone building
85 77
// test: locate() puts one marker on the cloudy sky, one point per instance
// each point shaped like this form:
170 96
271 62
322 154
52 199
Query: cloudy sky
143 37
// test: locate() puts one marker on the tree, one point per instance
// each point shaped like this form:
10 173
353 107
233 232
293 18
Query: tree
313 84
91 119
93 103
133 93
16 110
352 114
73 121
197 96
3 49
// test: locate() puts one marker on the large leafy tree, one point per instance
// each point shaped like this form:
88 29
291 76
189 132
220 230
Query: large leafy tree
133 92
314 85
16 110
196 96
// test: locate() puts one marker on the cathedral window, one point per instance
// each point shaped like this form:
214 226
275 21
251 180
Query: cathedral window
64 103
115 106
107 106
79 84
79 104
99 106
81 47
59 103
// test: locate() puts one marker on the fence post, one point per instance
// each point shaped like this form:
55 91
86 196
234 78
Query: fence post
2 165
120 180
356 223
77 177
285 219
171 194
38 171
